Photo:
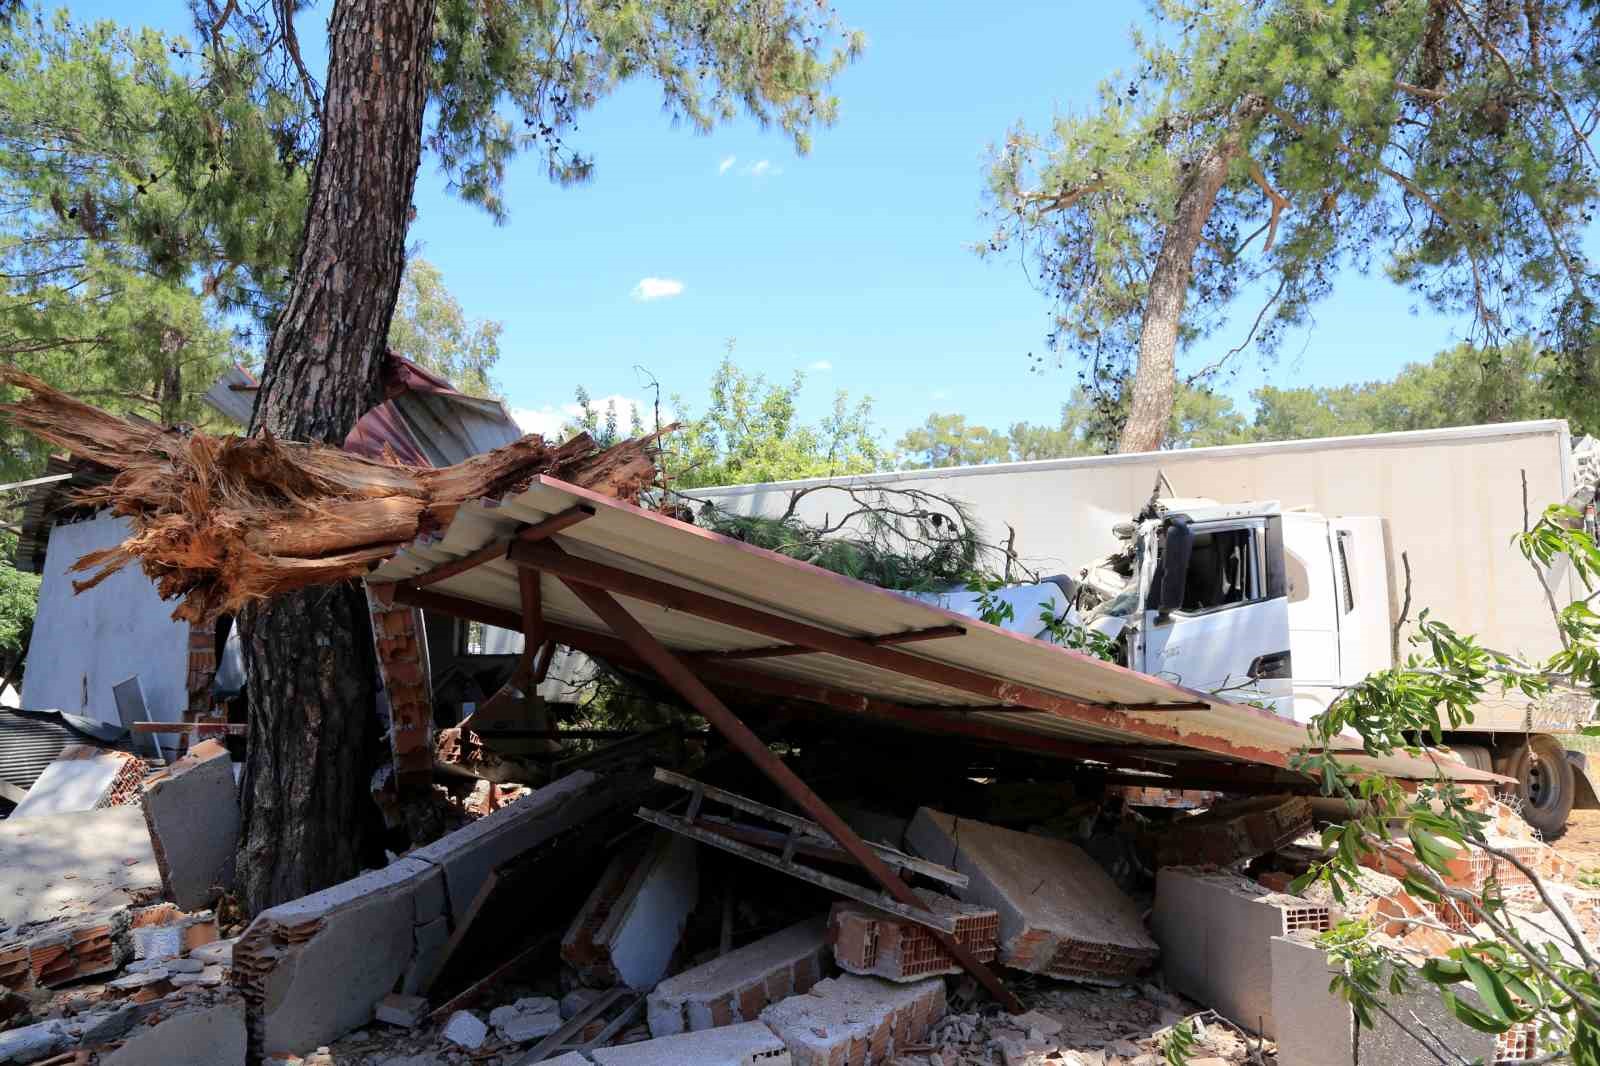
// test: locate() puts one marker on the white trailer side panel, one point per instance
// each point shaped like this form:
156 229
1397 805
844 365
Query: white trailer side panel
1452 500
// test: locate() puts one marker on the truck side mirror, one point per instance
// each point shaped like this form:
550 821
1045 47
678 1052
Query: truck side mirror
1173 576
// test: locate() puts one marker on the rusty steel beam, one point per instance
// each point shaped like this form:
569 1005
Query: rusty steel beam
533 637
683 680
571 568
933 718
496 550
910 636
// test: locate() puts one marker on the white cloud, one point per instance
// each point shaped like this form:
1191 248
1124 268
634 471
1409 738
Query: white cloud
761 169
723 167
547 421
657 289
820 365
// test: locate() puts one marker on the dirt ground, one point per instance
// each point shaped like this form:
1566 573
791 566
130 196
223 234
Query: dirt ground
1581 842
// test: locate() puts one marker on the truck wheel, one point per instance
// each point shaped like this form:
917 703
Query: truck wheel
1545 784
1475 755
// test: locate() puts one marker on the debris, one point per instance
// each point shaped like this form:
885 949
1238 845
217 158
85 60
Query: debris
526 1019
86 861
856 1019
187 1034
52 953
465 1029
1232 832
868 941
83 778
737 986
1060 913
227 521
316 968
192 808
33 1042
631 923
747 1044
1215 930
165 932
404 1011
216 953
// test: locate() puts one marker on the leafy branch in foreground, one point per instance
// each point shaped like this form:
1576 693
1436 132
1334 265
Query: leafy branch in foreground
1549 984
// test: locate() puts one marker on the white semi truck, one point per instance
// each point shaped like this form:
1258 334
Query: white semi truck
1281 574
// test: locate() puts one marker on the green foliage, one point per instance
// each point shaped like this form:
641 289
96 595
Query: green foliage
751 431
1179 1043
430 328
545 64
903 539
146 196
19 599
1427 833
1440 141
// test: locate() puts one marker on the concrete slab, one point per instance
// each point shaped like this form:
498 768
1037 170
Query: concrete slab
647 924
314 969
469 854
738 986
1316 1028
1232 832
748 1044
192 808
1215 930
862 1021
31 1043
106 851
81 779
1060 913
207 1035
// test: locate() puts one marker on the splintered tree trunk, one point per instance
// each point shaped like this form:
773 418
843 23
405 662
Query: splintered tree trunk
308 814
1154 386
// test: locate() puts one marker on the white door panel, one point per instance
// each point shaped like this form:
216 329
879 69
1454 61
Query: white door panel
1213 650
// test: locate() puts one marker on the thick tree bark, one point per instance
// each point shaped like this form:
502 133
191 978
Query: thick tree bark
308 812
1154 386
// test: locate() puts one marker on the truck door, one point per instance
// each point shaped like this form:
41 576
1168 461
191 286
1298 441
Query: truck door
1226 628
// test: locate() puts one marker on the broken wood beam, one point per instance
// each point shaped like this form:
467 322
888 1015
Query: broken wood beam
232 729
497 549
678 675
910 636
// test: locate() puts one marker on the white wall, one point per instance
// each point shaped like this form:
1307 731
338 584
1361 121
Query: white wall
84 644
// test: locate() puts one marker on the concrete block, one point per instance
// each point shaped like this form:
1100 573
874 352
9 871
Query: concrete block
314 969
572 1058
1316 1028
869 941
1060 913
1232 832
404 1011
1215 930
749 1044
465 1029
738 986
428 954
468 855
527 1019
192 808
82 778
856 1021
203 1035
629 927
106 851
67 949
33 1042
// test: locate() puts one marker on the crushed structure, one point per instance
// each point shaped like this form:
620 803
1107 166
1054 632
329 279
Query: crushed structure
1060 913
748 1044
870 941
738 986
1232 832
192 809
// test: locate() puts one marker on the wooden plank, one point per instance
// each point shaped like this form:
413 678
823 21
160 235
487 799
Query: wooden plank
11 792
232 729
910 636
460 932
558 1040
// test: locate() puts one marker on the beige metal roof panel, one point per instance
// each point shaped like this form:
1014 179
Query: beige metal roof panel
653 545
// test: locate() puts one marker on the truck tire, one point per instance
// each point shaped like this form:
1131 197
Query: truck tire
1545 784
1475 755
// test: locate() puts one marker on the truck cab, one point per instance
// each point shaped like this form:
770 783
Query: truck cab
1258 604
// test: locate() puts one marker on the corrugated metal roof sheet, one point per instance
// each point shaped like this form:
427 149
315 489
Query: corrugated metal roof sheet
28 744
652 545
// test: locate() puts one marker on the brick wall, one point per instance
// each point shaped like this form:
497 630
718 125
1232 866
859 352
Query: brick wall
395 630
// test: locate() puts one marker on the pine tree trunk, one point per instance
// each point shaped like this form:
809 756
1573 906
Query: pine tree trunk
308 814
1154 385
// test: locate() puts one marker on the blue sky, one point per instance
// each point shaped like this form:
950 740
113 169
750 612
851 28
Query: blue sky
852 263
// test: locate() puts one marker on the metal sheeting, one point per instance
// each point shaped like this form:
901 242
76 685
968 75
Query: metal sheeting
652 545
28 744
